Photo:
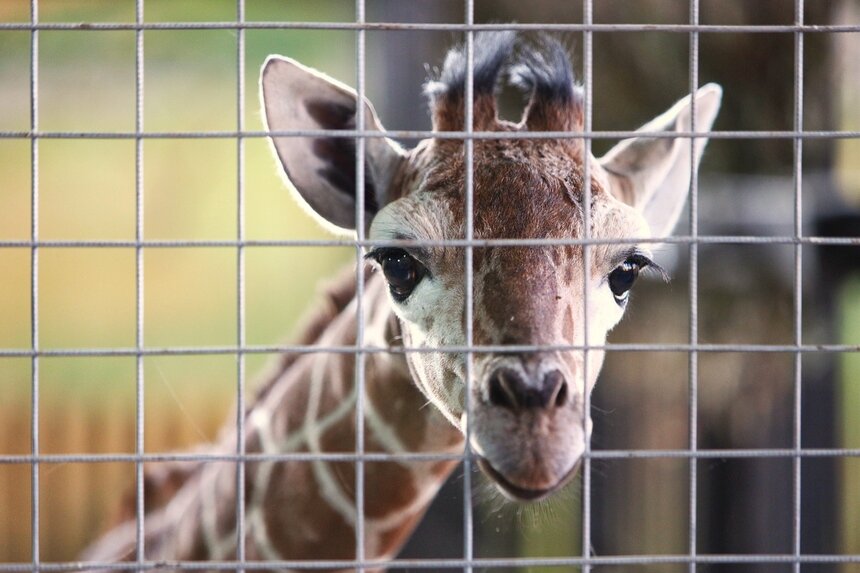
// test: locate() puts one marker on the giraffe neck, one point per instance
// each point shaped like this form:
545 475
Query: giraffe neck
307 509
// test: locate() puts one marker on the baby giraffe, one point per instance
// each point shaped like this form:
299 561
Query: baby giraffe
527 423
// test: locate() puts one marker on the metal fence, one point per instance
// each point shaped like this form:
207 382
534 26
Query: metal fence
691 241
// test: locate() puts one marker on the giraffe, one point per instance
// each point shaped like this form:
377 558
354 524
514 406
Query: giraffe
527 424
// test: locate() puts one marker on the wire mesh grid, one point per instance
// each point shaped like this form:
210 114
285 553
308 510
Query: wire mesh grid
242 349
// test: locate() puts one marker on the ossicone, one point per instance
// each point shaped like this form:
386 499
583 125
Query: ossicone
539 66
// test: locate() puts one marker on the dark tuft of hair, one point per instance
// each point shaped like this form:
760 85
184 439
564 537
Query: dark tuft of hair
491 51
544 69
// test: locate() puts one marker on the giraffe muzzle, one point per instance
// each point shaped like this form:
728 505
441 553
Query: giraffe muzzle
528 427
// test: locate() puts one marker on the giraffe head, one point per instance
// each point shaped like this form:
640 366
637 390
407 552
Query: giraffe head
528 424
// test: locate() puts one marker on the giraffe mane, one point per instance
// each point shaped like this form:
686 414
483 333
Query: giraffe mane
164 479
334 296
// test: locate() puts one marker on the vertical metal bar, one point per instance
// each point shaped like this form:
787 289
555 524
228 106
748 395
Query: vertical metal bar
360 356
34 282
588 88
139 280
798 280
240 285
693 380
468 121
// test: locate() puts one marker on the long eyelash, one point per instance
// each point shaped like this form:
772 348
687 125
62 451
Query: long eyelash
649 266
372 255
378 253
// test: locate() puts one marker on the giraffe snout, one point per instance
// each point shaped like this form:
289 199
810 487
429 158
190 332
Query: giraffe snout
528 425
514 390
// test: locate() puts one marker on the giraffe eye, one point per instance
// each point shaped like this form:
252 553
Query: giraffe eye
622 278
401 270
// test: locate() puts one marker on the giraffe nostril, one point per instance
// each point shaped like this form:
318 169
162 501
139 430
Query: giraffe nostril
501 393
554 389
508 389
561 397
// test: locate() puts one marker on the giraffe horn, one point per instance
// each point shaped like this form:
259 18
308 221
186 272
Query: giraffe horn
447 94
544 71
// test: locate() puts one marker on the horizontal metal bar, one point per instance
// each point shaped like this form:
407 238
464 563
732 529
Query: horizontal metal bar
439 563
726 454
422 134
477 349
476 243
203 457
428 26
227 457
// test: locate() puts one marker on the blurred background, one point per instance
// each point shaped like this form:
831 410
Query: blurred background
745 400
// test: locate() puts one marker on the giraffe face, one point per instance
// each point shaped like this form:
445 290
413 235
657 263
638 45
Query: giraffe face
526 393
527 419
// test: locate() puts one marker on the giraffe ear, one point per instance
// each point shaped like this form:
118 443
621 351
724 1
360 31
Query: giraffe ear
323 169
653 173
